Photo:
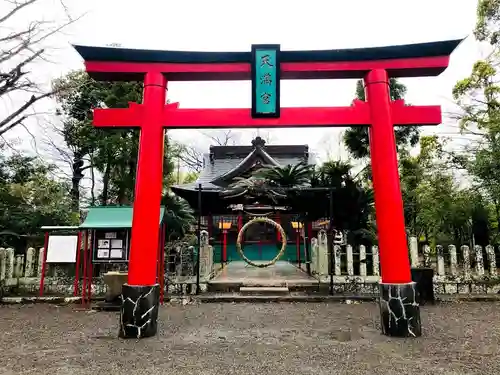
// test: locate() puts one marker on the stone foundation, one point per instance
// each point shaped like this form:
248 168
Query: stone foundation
139 311
399 310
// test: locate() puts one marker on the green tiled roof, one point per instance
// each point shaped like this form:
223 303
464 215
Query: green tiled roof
108 217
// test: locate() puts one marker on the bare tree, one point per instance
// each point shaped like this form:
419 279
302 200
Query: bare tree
223 138
190 157
75 163
22 45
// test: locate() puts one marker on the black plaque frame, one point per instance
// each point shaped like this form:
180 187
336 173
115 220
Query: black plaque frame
98 234
255 48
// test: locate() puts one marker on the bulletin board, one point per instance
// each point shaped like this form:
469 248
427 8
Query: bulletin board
62 249
110 246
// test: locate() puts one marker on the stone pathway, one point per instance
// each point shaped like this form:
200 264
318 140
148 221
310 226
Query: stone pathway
278 274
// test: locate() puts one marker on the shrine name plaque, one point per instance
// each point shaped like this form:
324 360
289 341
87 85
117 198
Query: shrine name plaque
110 246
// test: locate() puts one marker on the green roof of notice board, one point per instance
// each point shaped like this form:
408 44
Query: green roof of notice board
108 217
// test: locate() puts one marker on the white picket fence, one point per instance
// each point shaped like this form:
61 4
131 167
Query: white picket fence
22 272
13 267
450 275
476 272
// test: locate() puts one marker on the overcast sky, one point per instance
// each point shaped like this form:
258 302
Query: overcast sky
220 25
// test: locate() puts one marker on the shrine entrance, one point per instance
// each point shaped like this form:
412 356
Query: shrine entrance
265 66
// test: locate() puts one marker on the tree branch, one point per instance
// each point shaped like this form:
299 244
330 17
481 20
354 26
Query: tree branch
16 9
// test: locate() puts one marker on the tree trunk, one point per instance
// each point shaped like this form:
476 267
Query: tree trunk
92 183
122 196
75 193
105 184
75 182
497 214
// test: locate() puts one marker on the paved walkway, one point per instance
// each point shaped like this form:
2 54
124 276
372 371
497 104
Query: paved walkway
281 273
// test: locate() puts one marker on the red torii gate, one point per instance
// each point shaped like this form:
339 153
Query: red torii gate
399 307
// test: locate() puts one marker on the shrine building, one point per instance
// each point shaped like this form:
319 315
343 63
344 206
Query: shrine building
222 166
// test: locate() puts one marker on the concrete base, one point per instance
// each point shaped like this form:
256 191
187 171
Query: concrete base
114 282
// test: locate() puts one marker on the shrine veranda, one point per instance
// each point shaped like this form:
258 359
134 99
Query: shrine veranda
265 66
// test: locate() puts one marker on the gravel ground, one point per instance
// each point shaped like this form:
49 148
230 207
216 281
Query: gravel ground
251 339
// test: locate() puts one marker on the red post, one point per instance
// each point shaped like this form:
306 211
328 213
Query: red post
90 276
224 247
240 221
240 224
90 268
297 244
394 261
76 284
44 263
148 185
278 220
85 255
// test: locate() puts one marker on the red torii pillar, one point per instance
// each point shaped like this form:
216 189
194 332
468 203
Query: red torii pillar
154 115
400 312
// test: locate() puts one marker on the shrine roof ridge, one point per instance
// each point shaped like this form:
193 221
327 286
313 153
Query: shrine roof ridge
408 51
224 152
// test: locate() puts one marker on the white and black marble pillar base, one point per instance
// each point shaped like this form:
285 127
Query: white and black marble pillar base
139 311
399 310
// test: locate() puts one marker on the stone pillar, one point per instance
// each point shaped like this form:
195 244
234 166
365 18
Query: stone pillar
314 256
337 256
375 261
362 260
40 262
427 256
490 250
466 266
18 266
206 256
186 261
30 260
9 263
479 260
3 263
350 260
322 253
440 260
414 252
453 260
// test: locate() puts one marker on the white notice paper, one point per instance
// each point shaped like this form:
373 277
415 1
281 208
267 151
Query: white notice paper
62 249
102 253
116 253
110 235
117 244
103 243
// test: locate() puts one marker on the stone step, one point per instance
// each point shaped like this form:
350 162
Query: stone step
264 290
292 297
234 287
